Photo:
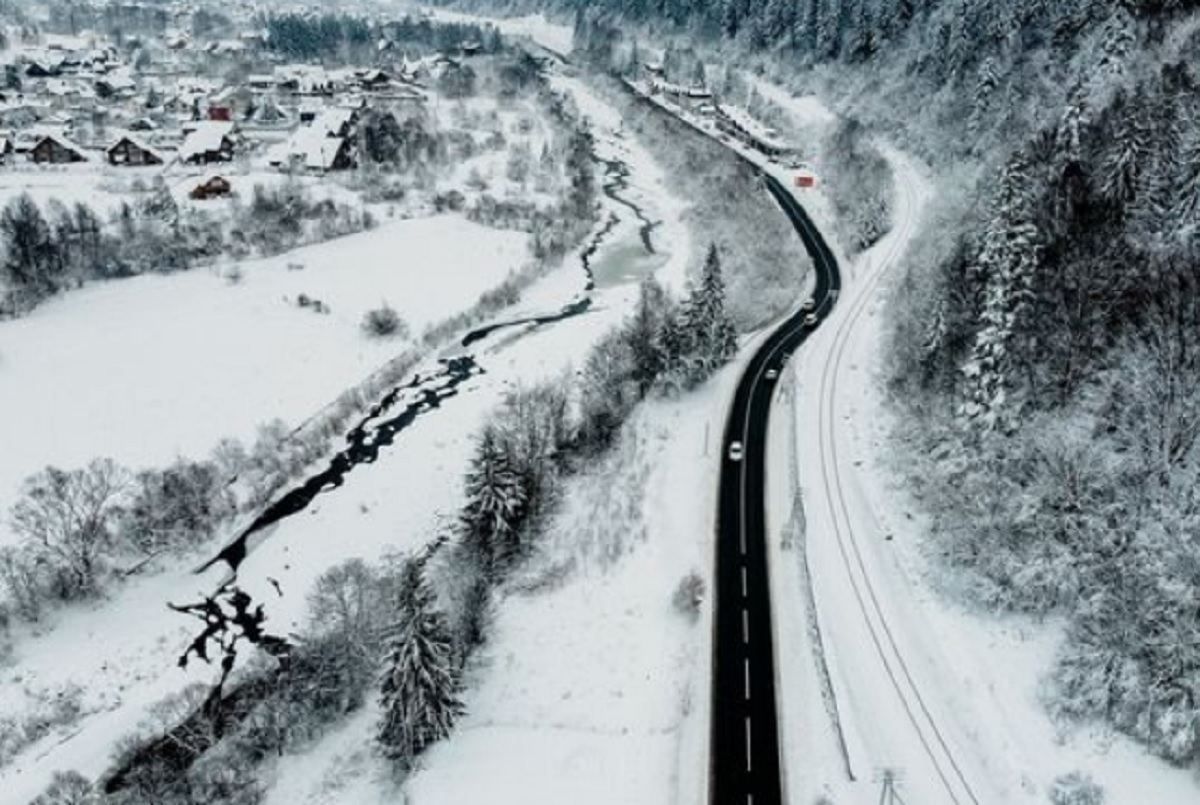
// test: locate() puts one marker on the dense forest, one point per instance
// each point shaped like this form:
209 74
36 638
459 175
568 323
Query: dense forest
1045 341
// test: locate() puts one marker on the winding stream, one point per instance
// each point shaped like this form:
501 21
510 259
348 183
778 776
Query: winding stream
424 394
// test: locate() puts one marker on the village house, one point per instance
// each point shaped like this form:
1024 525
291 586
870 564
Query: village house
309 148
56 150
207 142
129 152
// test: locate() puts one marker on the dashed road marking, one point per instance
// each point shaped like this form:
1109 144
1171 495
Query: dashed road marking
749 765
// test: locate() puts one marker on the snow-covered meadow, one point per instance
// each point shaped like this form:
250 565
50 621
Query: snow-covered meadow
154 367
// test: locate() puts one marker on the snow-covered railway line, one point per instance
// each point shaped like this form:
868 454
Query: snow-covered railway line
929 735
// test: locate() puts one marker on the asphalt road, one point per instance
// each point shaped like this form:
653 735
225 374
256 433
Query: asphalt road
745 762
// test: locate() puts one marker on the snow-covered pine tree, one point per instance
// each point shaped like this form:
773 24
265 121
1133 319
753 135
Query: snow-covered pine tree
580 169
1005 266
1068 146
642 333
829 30
1185 207
861 37
713 333
958 45
1155 193
673 350
1125 153
985 88
1117 40
808 24
496 501
418 686
775 21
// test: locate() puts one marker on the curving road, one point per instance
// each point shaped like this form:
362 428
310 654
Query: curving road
745 766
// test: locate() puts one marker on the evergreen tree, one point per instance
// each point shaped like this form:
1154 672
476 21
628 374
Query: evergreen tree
1125 153
711 333
1117 40
776 21
673 354
829 29
1005 269
419 686
1185 208
582 174
642 334
496 503
985 89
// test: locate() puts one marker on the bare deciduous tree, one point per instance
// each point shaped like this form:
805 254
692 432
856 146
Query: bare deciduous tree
66 516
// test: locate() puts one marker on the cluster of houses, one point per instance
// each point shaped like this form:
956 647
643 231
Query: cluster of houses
73 100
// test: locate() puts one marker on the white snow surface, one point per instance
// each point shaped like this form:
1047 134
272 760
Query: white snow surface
948 698
153 367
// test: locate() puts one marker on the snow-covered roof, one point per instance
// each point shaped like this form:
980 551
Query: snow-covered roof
207 136
137 143
331 121
65 143
310 147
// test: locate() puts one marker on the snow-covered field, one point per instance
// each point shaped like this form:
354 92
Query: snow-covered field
947 698
146 369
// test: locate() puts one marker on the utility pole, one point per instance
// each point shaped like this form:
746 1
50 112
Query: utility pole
888 794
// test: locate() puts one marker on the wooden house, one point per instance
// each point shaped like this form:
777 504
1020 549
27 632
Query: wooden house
51 150
128 151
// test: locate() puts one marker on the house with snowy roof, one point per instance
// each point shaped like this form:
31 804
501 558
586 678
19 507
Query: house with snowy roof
207 142
310 149
54 149
131 152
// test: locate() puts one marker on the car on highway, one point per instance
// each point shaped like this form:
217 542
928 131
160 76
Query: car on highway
736 451
772 374
811 320
810 305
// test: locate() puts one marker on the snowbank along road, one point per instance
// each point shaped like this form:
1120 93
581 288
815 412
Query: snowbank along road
745 741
